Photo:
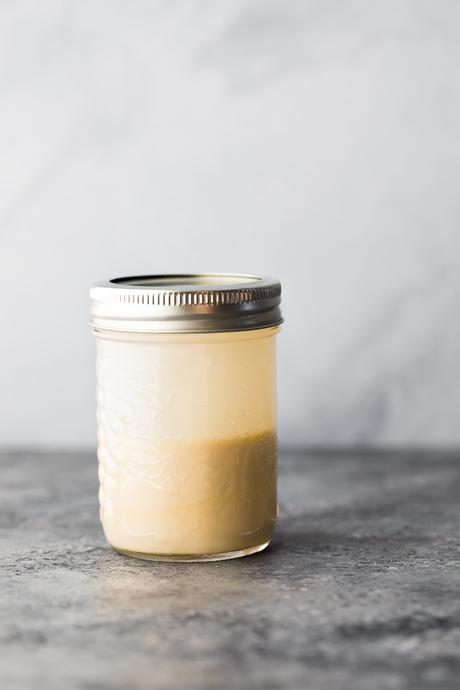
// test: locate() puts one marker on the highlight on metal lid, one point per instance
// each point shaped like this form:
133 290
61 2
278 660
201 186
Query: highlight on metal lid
186 303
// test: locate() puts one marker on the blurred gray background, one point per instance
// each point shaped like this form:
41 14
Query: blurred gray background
317 141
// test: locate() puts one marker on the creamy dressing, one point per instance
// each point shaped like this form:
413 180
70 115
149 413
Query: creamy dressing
191 497
187 442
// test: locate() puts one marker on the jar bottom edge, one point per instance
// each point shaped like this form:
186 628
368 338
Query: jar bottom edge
194 558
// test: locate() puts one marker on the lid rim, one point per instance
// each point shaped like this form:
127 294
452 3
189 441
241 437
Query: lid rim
216 302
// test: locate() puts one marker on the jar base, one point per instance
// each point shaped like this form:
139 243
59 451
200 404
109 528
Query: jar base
194 558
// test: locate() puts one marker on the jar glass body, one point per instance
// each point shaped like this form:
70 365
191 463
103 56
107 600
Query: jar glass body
187 442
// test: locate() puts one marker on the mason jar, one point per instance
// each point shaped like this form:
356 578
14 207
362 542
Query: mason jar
186 414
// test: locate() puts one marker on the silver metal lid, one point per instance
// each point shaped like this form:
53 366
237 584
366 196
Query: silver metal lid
186 303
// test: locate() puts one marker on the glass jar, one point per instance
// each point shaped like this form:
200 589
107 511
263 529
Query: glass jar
186 414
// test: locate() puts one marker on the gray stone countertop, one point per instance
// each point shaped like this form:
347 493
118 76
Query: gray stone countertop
360 589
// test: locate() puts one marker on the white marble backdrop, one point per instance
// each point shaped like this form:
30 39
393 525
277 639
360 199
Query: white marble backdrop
315 140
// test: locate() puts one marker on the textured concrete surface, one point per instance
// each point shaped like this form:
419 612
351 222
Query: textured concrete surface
360 590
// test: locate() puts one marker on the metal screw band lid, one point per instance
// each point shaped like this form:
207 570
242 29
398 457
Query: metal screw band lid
186 303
